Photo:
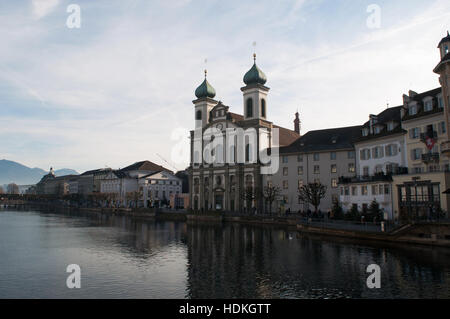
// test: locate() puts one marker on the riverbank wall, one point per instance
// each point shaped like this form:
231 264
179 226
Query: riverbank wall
435 234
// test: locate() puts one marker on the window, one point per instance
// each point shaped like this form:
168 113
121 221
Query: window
364 154
300 183
354 190
300 170
366 171
364 190
284 159
416 154
334 183
440 102
316 169
365 132
414 132
285 171
198 115
247 153
378 169
285 185
249 108
316 156
333 156
263 108
390 126
442 129
351 154
412 109
374 190
377 152
377 129
351 167
428 105
300 158
346 191
391 150
333 168
317 180
387 189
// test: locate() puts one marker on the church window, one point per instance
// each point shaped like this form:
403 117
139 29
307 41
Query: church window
198 115
263 108
249 107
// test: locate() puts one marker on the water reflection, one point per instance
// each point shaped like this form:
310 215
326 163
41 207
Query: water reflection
124 257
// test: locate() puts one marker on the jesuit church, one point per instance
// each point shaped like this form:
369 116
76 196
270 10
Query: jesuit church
221 185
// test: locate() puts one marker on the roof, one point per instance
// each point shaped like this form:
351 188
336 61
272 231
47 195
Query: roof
95 171
418 98
444 39
145 166
205 90
392 114
324 140
445 58
286 136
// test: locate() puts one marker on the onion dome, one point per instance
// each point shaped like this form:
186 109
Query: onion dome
255 75
205 90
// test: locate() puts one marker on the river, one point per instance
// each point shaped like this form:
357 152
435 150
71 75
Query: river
124 257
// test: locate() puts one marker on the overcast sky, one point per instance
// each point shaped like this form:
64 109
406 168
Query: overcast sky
119 89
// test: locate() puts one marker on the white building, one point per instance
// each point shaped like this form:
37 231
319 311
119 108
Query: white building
381 153
157 188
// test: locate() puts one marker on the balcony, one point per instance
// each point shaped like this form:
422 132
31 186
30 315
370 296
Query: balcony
430 158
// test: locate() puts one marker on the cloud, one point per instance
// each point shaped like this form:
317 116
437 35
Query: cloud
114 91
41 8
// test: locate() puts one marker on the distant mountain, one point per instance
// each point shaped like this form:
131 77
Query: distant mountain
13 172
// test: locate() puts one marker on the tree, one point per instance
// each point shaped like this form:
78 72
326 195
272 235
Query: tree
312 193
337 210
374 210
270 194
249 195
12 189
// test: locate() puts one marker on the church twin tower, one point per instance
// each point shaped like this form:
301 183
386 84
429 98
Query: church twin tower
254 93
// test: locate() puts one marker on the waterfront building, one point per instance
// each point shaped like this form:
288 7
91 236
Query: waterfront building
321 156
381 153
423 192
221 185
50 184
157 188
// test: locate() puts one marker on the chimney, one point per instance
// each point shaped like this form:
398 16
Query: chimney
297 124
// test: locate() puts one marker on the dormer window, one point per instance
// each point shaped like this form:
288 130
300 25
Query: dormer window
390 126
412 109
377 129
428 105
365 132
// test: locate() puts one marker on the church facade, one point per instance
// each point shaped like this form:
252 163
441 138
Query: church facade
230 152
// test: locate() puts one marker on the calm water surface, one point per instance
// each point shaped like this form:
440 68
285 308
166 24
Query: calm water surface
121 257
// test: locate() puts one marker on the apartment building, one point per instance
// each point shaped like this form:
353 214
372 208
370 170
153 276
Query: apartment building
381 153
318 156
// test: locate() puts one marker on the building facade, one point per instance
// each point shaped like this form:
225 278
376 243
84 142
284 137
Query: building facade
381 153
225 165
321 156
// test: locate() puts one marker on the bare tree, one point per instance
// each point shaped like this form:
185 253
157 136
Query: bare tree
249 195
270 194
312 193
12 189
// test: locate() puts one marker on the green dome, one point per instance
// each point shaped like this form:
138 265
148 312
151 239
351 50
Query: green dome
205 90
255 75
